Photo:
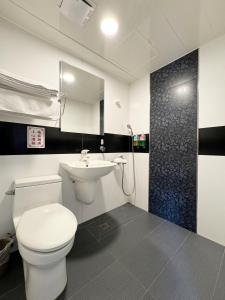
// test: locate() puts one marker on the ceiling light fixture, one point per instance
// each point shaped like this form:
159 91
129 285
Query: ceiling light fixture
68 77
109 26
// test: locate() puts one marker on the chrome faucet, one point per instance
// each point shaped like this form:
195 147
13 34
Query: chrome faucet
84 156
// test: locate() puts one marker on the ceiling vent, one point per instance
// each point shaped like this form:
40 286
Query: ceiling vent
77 11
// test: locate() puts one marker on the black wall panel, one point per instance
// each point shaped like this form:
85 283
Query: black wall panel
13 141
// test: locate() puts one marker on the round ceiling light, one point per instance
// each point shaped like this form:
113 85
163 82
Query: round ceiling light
68 77
109 26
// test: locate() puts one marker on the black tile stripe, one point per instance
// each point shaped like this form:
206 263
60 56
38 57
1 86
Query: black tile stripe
212 141
13 141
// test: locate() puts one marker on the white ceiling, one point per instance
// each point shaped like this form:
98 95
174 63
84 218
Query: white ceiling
152 33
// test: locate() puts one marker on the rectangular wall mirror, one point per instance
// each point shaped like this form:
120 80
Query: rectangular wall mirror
82 101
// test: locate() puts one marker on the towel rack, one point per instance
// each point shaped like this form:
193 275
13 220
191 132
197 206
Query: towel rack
16 84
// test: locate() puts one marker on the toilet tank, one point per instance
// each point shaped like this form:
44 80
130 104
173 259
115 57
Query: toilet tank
36 191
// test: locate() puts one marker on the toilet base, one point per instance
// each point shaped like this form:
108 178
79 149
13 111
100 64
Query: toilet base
44 272
45 282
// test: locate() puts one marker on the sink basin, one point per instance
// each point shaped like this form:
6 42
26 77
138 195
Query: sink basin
91 171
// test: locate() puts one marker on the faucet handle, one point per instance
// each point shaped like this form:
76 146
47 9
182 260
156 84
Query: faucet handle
85 151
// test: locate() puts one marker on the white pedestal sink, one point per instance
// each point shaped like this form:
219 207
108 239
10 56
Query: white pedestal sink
85 176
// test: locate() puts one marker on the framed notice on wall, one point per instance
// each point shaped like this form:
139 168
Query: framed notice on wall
35 137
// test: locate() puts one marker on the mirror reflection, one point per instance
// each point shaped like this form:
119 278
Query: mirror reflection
83 101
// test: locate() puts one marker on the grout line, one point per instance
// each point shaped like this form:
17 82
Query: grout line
93 279
218 274
130 249
133 219
179 38
133 276
103 271
92 234
154 229
147 291
119 259
169 261
99 244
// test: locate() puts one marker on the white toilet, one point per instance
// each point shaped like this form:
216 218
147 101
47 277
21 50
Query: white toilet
45 231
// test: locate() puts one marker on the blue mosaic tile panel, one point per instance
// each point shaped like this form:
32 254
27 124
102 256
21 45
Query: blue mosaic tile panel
173 141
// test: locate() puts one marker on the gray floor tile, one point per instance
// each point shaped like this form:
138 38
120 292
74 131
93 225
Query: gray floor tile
115 283
147 296
145 262
102 226
168 237
17 293
93 220
83 238
93 291
63 296
192 273
220 286
14 275
145 246
129 235
125 213
85 265
149 257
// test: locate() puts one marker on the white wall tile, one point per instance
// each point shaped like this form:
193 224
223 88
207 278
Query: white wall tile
211 169
139 118
142 179
139 105
211 83
211 197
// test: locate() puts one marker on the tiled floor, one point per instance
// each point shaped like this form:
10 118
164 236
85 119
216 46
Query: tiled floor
130 254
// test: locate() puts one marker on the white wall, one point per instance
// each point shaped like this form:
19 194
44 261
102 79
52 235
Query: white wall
139 105
211 84
109 194
139 118
211 197
211 169
32 58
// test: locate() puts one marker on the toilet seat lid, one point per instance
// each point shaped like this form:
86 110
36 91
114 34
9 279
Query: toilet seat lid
46 228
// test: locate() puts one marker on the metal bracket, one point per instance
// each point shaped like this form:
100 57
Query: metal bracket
10 193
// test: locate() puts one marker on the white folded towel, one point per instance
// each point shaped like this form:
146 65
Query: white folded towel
24 97
28 105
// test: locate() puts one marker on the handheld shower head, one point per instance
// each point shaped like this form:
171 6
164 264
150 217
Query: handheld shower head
130 128
134 178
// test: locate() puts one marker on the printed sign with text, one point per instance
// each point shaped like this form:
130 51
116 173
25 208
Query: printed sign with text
35 137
